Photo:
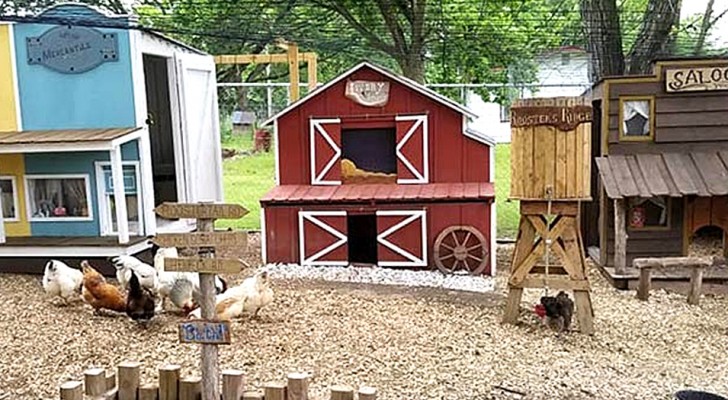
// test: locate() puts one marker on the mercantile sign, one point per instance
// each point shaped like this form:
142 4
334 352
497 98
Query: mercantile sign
72 49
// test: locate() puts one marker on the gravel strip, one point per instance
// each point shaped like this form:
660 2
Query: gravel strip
383 276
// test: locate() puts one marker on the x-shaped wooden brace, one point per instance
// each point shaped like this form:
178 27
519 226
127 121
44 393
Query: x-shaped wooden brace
549 234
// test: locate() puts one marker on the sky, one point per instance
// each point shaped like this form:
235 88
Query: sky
720 31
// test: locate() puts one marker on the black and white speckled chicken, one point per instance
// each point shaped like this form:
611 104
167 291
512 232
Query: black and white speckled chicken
559 311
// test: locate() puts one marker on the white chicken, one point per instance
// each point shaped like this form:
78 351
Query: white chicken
61 280
249 297
146 274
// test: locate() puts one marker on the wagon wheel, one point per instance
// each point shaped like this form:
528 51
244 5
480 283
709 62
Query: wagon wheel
461 248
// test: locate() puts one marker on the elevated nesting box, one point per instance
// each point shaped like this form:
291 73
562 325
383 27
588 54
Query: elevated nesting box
551 148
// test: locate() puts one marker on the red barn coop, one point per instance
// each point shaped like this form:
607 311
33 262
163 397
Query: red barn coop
375 169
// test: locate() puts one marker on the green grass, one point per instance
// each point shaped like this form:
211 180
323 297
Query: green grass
248 178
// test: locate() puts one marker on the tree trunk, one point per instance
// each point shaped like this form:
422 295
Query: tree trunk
704 28
654 37
413 67
604 39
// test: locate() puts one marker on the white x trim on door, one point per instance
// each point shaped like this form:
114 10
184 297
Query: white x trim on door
311 216
412 216
420 121
316 128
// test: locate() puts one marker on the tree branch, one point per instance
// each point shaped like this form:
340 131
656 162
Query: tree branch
375 41
390 21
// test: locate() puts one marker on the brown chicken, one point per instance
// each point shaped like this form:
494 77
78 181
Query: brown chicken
98 293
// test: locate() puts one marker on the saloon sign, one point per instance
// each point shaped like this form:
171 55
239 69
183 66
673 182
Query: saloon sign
72 49
696 79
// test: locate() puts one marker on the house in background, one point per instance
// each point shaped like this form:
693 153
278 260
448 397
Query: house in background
561 72
98 125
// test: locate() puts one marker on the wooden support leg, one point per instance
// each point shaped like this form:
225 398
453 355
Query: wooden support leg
513 304
584 311
643 290
696 285
620 237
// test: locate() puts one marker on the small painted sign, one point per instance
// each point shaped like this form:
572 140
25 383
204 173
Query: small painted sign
563 118
204 332
202 239
368 93
696 79
201 210
204 265
72 49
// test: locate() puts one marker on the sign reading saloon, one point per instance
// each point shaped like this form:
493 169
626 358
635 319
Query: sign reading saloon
564 118
696 79
72 49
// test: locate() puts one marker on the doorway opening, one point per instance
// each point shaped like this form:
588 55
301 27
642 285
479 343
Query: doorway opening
368 156
159 122
708 241
362 231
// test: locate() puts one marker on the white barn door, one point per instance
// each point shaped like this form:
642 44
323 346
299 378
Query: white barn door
197 88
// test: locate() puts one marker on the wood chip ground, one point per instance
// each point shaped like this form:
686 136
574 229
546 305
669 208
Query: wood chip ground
409 343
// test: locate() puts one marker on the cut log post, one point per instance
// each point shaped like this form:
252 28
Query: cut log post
367 393
190 388
252 396
233 384
341 393
72 390
696 285
108 395
645 284
620 237
128 380
149 392
169 382
297 386
274 391
110 381
94 381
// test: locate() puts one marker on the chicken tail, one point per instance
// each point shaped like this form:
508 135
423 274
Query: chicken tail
135 288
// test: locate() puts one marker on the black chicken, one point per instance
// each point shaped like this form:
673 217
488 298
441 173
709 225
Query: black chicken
140 302
559 311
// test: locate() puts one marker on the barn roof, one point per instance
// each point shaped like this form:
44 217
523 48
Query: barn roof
667 174
381 193
417 87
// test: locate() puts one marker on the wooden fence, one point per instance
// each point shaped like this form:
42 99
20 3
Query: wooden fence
98 384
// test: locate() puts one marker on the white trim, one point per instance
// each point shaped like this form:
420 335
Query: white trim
277 152
126 138
55 147
263 241
147 184
89 198
493 214
314 127
420 121
412 216
311 216
138 78
105 224
16 81
72 251
479 136
14 182
117 174
174 74
400 79
217 139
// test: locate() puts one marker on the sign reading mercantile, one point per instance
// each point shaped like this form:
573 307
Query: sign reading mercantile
72 49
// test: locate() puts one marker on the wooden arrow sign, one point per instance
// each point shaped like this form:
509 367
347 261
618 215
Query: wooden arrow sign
202 239
201 210
204 265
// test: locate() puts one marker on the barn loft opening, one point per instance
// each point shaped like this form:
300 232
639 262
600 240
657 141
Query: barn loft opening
368 156
362 232
159 121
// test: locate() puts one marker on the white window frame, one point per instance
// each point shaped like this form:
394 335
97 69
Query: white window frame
105 221
28 199
14 182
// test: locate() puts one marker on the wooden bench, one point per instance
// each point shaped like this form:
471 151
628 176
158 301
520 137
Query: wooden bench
697 265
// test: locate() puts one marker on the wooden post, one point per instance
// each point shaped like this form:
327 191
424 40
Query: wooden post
297 386
128 380
94 381
169 382
341 393
645 283
110 381
233 384
293 70
274 391
620 237
72 390
252 396
367 393
209 364
312 72
696 285
148 392
190 388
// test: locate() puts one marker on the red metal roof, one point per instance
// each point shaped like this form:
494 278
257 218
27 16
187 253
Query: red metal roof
380 193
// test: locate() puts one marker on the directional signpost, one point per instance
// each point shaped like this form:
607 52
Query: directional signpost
208 332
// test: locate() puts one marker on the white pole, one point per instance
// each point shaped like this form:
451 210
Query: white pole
117 175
